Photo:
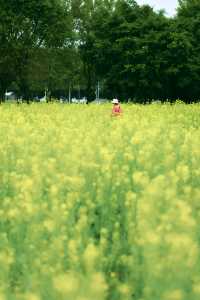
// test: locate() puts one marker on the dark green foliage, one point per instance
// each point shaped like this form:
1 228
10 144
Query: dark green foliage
134 52
24 27
144 55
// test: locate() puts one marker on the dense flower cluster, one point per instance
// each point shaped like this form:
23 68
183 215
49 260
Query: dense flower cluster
96 208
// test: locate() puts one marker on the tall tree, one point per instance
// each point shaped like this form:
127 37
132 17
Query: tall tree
127 48
87 14
188 24
28 25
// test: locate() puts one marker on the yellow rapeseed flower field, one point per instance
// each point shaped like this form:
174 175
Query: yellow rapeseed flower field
99 208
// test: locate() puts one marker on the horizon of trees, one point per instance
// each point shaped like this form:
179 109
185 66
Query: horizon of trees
70 46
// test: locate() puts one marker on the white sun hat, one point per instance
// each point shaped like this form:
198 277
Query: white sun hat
115 101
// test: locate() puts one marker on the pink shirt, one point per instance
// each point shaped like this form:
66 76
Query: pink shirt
116 110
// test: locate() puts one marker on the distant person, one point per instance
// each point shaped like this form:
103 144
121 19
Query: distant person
116 111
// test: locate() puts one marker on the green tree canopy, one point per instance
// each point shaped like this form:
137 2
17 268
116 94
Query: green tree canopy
28 25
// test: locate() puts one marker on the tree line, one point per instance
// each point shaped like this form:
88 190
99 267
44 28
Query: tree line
69 46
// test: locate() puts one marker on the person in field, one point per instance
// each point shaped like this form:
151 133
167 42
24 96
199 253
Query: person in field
116 110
